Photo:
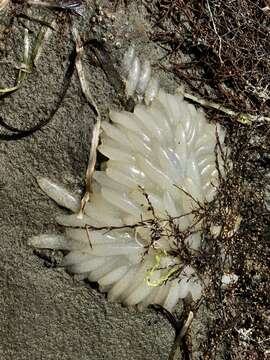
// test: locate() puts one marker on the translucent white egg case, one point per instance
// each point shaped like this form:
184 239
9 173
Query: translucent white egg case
161 162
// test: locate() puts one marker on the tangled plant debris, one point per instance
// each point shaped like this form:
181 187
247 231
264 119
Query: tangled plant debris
220 50
244 305
226 46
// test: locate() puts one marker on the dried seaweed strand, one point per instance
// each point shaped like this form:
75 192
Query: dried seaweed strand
36 20
22 133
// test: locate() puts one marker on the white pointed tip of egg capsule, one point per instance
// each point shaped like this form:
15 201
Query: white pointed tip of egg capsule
73 220
195 289
133 77
151 91
180 90
128 59
59 194
144 78
48 241
228 279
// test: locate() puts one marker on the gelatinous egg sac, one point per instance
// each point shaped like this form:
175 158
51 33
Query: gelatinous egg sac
154 154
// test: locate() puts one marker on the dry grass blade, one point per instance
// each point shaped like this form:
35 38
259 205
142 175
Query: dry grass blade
29 58
3 4
96 130
24 68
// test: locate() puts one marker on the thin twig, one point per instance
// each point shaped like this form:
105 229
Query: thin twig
245 119
176 349
88 236
215 29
